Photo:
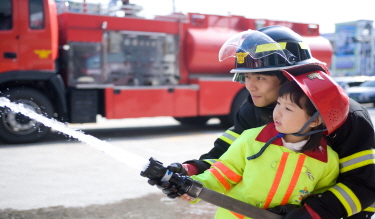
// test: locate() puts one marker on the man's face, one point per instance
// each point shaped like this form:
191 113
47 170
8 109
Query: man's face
264 89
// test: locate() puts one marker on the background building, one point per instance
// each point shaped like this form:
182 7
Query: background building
353 45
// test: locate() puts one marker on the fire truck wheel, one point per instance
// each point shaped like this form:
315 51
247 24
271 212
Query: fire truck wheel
194 121
228 120
16 128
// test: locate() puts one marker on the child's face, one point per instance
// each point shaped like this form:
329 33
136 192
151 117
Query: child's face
288 116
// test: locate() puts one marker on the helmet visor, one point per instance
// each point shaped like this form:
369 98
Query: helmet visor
254 44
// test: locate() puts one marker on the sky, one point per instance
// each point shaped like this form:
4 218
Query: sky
323 12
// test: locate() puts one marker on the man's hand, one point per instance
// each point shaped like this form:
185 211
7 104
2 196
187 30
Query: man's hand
177 168
178 185
166 187
182 170
283 209
187 169
290 211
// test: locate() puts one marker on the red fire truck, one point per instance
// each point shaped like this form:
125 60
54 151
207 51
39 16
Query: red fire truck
73 66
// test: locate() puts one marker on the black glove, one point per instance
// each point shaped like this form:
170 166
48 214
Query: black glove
283 209
168 188
178 185
290 211
177 168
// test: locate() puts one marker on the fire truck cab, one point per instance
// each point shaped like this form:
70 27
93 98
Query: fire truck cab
73 64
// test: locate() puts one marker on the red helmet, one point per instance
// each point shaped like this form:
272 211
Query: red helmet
327 96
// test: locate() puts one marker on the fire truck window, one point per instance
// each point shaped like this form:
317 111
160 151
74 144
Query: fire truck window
36 14
6 15
85 64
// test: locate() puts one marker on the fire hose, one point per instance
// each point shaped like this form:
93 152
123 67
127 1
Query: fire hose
156 171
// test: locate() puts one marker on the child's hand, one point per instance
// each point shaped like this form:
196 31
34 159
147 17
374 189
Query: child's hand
185 197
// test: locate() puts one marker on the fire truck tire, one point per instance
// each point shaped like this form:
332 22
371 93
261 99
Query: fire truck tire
16 128
193 121
228 120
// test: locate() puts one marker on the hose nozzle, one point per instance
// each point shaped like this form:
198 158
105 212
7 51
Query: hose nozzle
156 171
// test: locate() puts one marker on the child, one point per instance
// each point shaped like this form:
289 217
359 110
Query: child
287 160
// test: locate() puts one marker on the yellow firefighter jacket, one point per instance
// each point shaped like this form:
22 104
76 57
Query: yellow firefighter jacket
279 176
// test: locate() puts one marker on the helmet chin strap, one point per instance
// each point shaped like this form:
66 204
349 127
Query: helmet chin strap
299 133
280 135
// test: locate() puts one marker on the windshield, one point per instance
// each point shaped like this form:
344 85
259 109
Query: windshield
368 84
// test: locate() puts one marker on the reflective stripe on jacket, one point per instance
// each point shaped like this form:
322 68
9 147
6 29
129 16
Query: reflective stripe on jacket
346 196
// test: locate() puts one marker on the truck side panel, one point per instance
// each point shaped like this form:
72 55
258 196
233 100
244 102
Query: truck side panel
82 25
185 102
216 96
150 102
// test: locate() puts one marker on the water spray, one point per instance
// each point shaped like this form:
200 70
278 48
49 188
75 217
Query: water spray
151 169
120 155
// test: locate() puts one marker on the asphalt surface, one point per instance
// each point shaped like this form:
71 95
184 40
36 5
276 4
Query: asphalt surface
153 206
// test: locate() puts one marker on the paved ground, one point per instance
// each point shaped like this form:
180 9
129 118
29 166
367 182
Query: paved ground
154 206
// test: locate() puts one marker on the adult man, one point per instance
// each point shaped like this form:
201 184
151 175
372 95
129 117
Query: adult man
257 65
